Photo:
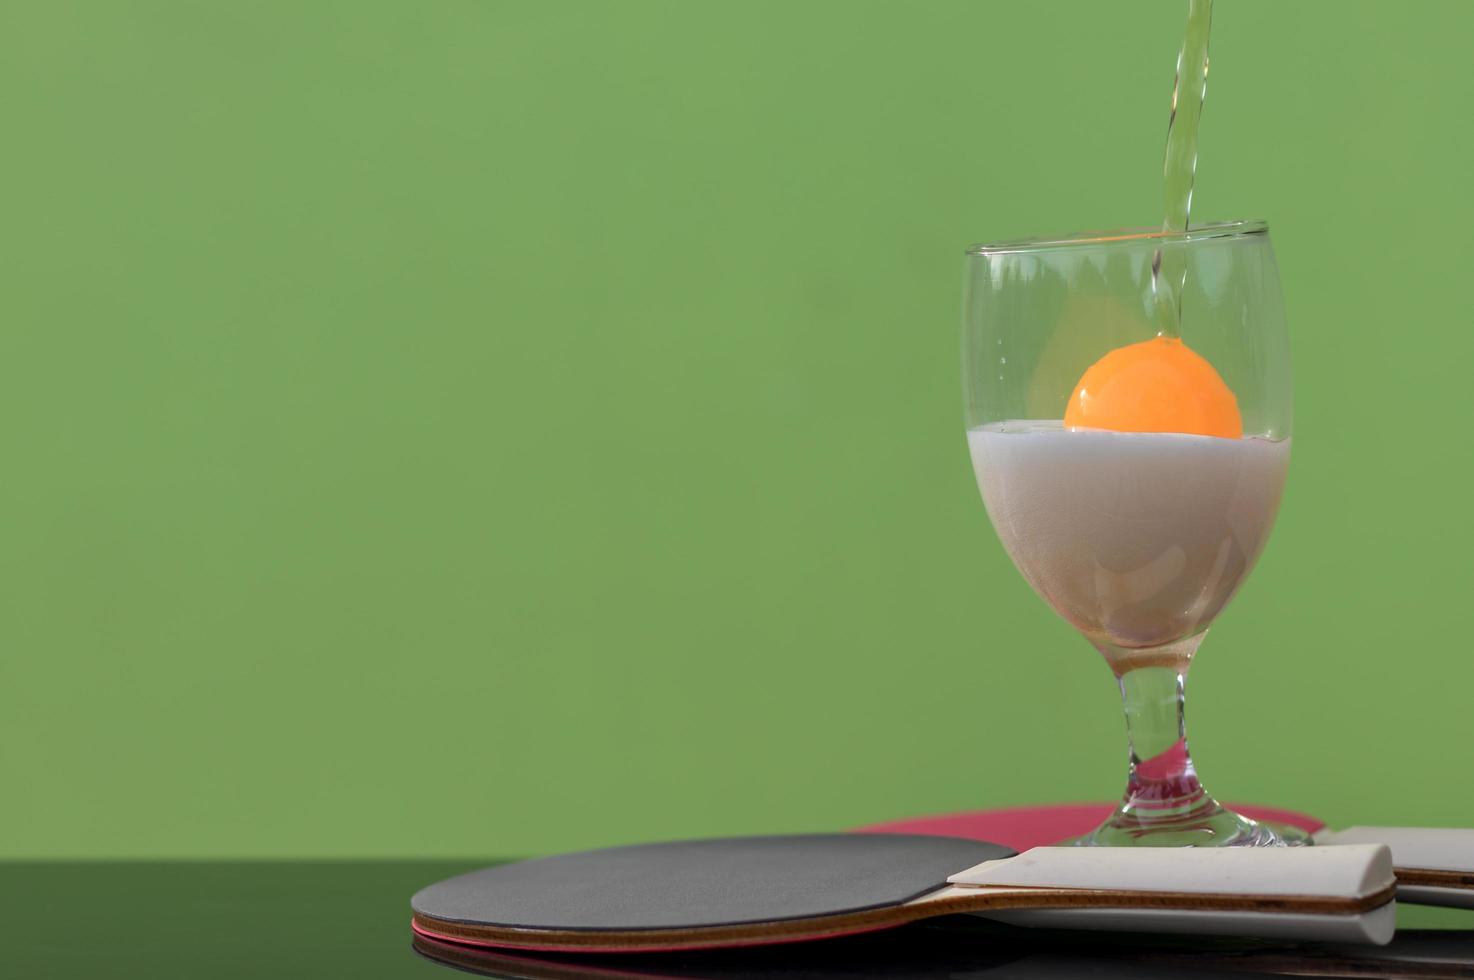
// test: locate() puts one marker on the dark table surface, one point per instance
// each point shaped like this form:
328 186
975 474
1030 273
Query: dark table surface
351 919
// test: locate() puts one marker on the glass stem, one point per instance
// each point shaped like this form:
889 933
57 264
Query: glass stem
1164 804
1162 781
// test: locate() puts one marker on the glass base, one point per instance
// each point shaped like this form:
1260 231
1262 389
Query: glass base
1165 804
1206 824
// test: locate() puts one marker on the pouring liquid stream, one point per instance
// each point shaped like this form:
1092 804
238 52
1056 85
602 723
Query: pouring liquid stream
1189 88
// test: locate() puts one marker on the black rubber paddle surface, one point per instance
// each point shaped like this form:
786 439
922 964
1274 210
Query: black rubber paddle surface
694 884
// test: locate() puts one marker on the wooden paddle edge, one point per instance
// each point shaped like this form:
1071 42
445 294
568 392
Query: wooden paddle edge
1434 877
866 920
479 959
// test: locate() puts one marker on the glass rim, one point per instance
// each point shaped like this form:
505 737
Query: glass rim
1121 236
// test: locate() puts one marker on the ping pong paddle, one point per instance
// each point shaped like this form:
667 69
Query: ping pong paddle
1434 866
967 946
762 890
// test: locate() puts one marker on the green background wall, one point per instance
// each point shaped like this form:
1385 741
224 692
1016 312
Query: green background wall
487 428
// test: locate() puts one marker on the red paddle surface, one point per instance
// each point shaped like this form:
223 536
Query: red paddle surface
1023 827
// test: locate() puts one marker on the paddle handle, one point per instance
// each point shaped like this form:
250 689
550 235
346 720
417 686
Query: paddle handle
1335 873
1375 927
1336 894
1428 848
1435 865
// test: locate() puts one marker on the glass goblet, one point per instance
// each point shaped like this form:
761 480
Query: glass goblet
1137 534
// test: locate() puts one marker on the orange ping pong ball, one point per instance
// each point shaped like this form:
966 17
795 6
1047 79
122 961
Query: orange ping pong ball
1158 385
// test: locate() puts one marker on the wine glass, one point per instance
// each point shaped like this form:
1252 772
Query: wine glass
1137 532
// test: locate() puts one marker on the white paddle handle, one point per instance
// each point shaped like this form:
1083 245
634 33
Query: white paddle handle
1426 848
1421 849
1351 872
1375 927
